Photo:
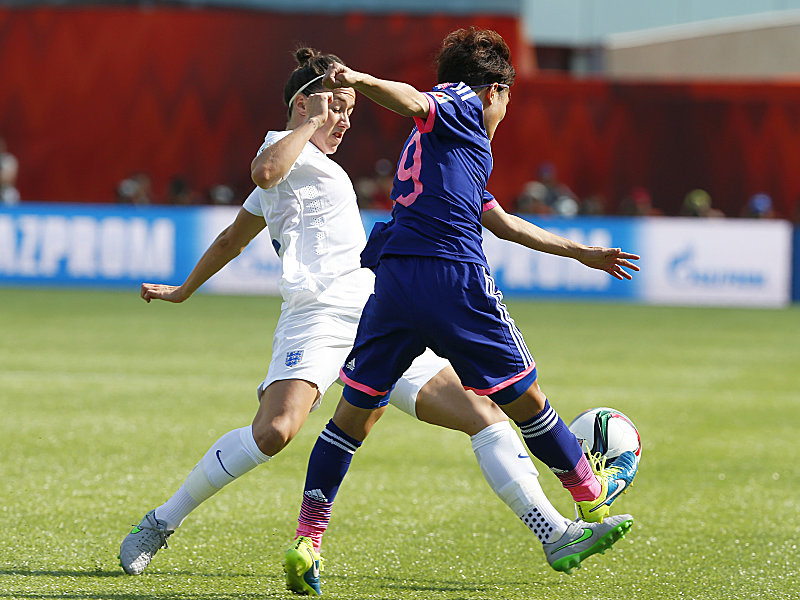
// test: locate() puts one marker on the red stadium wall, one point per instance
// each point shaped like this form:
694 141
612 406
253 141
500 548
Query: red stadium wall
732 139
89 96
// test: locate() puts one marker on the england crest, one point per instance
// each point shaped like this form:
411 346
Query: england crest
293 358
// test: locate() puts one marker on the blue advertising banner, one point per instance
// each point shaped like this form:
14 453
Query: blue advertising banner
521 271
796 266
722 262
91 245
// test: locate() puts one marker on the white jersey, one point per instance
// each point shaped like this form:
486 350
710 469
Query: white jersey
313 220
316 229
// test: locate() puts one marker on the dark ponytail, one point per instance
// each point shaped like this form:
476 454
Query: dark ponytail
311 64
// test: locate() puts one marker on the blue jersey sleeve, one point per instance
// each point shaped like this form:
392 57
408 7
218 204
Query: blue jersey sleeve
455 111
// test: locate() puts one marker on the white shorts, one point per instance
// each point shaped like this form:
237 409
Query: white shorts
312 341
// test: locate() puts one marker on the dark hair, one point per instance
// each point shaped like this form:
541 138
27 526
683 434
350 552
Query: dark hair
311 63
476 57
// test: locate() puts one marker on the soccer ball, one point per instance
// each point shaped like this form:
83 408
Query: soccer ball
607 431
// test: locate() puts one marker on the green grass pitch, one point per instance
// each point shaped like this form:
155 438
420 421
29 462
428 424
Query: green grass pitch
107 402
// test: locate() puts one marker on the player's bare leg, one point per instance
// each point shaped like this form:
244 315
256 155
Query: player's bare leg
443 401
284 408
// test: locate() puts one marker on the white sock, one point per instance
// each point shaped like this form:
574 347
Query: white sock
230 457
512 476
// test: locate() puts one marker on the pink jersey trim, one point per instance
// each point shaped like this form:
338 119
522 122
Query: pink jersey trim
491 204
359 386
427 125
504 384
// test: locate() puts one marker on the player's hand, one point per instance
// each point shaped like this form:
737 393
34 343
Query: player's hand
317 106
611 260
159 291
339 76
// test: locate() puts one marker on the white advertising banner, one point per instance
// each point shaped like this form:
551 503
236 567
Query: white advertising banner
257 270
722 262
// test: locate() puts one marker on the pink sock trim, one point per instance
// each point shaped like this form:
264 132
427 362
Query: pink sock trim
311 532
581 481
313 520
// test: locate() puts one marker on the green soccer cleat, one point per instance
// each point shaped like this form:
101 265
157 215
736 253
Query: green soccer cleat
141 544
302 565
614 481
582 539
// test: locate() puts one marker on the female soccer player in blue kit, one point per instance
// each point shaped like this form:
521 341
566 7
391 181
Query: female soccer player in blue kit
433 290
306 203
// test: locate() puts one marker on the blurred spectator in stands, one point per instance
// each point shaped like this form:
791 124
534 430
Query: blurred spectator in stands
384 178
126 190
531 200
144 189
548 190
638 203
697 203
759 206
180 193
9 196
593 206
135 189
365 191
374 192
221 195
566 206
547 175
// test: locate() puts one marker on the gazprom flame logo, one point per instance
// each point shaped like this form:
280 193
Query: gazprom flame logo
685 269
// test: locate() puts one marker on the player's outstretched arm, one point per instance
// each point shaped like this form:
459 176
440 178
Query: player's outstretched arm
228 245
399 97
510 227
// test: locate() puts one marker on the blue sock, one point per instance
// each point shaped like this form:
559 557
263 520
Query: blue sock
550 440
327 467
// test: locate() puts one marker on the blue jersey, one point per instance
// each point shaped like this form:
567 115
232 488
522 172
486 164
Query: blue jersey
440 185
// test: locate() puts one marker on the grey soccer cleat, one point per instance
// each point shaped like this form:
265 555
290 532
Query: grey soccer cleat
141 544
582 539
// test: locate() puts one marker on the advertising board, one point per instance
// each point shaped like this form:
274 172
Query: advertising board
90 245
720 262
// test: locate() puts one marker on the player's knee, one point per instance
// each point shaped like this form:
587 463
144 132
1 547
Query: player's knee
530 403
485 411
463 411
273 436
536 395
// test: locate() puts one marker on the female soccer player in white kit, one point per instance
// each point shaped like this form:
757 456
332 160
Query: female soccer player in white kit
308 204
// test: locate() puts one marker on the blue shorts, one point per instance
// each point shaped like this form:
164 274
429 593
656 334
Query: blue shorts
453 308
